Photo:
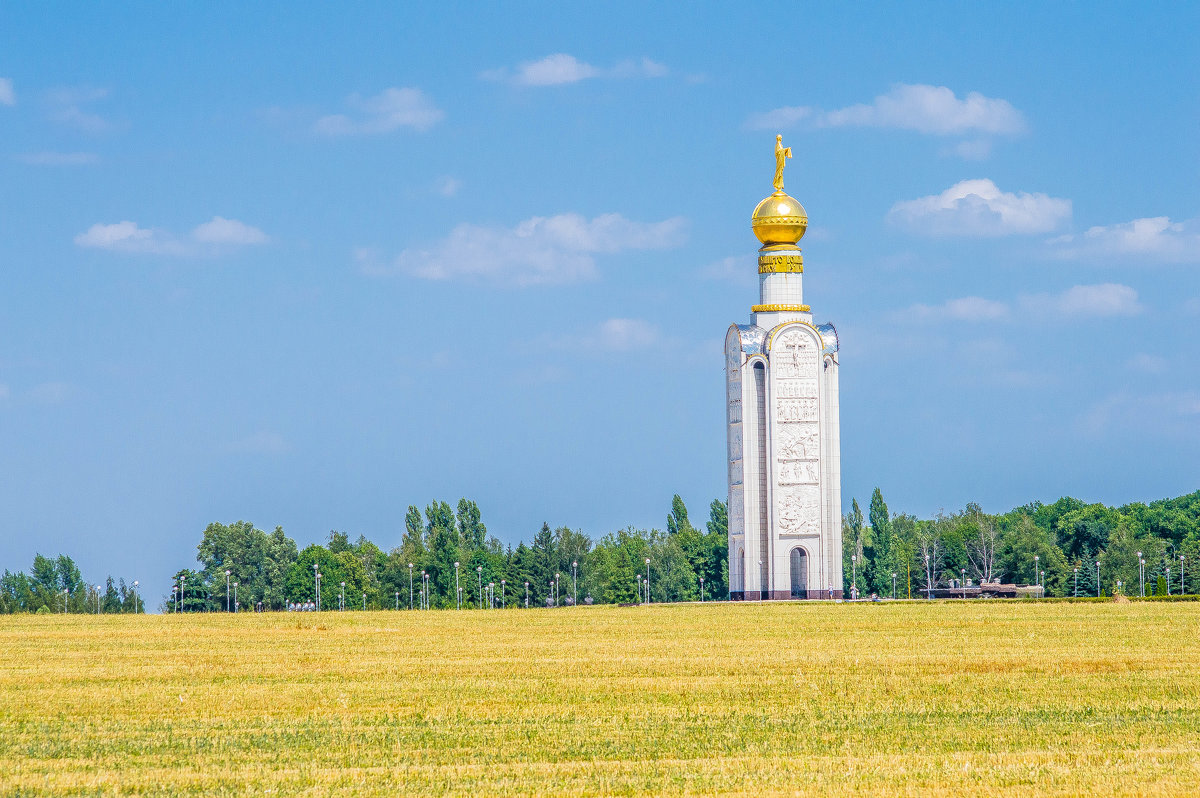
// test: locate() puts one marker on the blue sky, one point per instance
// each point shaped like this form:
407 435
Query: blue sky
307 265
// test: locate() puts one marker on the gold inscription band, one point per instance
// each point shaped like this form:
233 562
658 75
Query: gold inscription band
776 264
779 308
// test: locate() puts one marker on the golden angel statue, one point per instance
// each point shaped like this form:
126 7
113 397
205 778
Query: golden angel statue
782 153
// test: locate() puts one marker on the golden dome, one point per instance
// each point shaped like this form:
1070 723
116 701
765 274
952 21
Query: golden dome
779 219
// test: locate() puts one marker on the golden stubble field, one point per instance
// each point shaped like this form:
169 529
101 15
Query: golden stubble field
916 698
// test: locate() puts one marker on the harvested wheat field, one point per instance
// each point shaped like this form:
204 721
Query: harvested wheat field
909 698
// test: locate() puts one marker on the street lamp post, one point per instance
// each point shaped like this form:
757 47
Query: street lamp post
1042 584
1097 579
1141 575
491 595
364 602
425 589
641 595
1076 581
397 600
97 599
964 582
854 576
702 590
342 598
556 591
135 598
503 583
317 584
65 592
227 591
928 579
479 570
318 602
1182 584
410 595
893 585
1035 569
174 603
235 603
457 589
647 580
575 582
182 594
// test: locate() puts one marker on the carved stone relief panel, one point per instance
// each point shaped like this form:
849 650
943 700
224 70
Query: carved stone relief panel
737 514
799 508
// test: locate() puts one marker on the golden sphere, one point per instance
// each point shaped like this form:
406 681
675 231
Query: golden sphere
779 219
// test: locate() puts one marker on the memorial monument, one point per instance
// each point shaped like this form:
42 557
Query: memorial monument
781 373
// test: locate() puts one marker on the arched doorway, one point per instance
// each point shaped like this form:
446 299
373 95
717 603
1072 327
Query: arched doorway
799 573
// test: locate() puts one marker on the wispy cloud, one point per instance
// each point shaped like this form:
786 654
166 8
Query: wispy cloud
263 442
51 393
1175 413
69 106
219 234
732 268
7 95
540 250
447 186
980 208
1105 300
934 110
385 112
58 158
1150 364
622 335
560 69
1156 238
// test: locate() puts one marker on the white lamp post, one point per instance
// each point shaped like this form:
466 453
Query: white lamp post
702 590
397 600
1097 579
574 582
647 580
556 593
317 603
641 595
317 584
65 592
854 576
182 594
1076 581
1035 569
364 602
235 602
97 599
479 571
893 585
457 589
1141 575
964 582
410 596
503 582
342 598
135 598
227 591
424 590
526 595
1042 584
174 603
928 578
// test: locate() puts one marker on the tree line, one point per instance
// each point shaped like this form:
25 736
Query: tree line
1064 540
1056 545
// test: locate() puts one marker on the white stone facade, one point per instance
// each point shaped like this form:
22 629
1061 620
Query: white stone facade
785 513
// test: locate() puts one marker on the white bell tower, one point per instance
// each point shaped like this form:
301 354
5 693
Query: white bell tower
781 372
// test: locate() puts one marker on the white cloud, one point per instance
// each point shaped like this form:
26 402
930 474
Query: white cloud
623 335
447 186
1174 413
979 208
540 250
1155 238
67 106
1151 364
926 109
228 231
732 268
1192 306
51 393
560 69
1081 301
4 391
972 149
209 237
969 308
7 95
58 158
1103 300
385 112
258 443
